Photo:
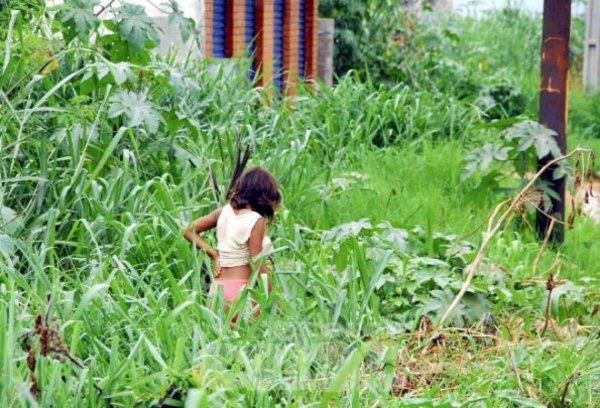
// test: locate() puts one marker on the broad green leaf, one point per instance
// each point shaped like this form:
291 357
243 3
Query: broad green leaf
136 107
397 237
483 157
571 292
7 246
562 170
10 221
78 17
121 72
532 134
546 187
471 308
186 25
136 27
350 229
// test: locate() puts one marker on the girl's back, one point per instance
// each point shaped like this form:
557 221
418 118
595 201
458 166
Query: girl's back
233 232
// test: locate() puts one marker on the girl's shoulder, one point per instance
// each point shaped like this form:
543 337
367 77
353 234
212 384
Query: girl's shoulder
230 214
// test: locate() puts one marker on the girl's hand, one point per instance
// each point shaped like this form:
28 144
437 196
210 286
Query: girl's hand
216 266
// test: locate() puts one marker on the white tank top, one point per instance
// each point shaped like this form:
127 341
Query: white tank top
233 232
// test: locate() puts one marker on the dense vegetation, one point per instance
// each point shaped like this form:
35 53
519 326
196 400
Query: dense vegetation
107 150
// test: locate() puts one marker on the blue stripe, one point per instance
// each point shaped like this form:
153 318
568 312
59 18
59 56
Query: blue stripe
301 38
218 40
249 34
278 44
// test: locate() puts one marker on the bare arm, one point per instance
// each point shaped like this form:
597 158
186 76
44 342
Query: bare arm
202 224
255 246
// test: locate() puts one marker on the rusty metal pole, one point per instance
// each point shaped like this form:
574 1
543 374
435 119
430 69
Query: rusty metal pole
553 103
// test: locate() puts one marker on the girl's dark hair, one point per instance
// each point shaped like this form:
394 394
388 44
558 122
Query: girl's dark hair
257 189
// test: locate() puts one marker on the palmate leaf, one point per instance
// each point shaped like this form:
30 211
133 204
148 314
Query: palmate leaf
7 245
185 25
438 302
350 229
532 134
79 18
120 72
482 158
570 292
470 310
137 109
10 221
136 27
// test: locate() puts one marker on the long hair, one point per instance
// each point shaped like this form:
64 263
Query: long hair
257 189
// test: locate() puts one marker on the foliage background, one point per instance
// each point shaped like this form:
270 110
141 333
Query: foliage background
107 151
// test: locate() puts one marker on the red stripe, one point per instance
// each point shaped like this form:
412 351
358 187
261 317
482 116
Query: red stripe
311 39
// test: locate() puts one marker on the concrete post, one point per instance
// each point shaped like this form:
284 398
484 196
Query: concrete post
325 51
591 58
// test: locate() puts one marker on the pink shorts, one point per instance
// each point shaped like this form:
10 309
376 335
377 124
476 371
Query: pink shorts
231 288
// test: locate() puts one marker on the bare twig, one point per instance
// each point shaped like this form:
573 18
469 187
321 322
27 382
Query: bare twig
513 365
51 345
493 229
550 285
162 10
543 247
572 378
555 264
104 8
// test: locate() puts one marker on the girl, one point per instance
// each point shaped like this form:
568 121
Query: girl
241 231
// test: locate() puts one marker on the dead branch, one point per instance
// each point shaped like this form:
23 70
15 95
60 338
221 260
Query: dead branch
104 8
51 346
572 378
550 285
493 229
543 247
515 369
